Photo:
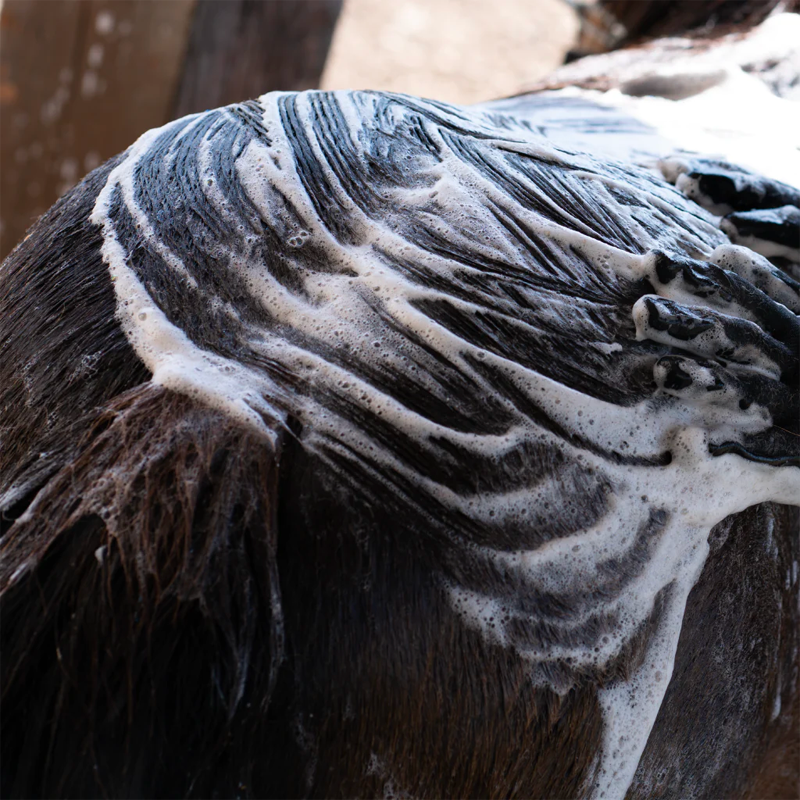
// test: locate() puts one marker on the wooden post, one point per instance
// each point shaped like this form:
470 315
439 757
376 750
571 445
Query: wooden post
80 80
241 49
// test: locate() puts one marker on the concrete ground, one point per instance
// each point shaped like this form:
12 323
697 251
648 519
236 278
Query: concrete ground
460 51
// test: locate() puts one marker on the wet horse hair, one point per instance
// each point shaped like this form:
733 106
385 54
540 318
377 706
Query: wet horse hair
188 585
287 590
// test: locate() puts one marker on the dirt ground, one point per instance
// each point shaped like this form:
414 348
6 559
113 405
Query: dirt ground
460 51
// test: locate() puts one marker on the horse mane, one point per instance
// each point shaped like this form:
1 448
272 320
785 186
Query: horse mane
196 603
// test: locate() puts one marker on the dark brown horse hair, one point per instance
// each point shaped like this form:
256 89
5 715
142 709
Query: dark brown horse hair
154 580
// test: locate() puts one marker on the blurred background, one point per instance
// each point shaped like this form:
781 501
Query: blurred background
460 51
80 80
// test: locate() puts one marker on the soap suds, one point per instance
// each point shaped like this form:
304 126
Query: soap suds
455 307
